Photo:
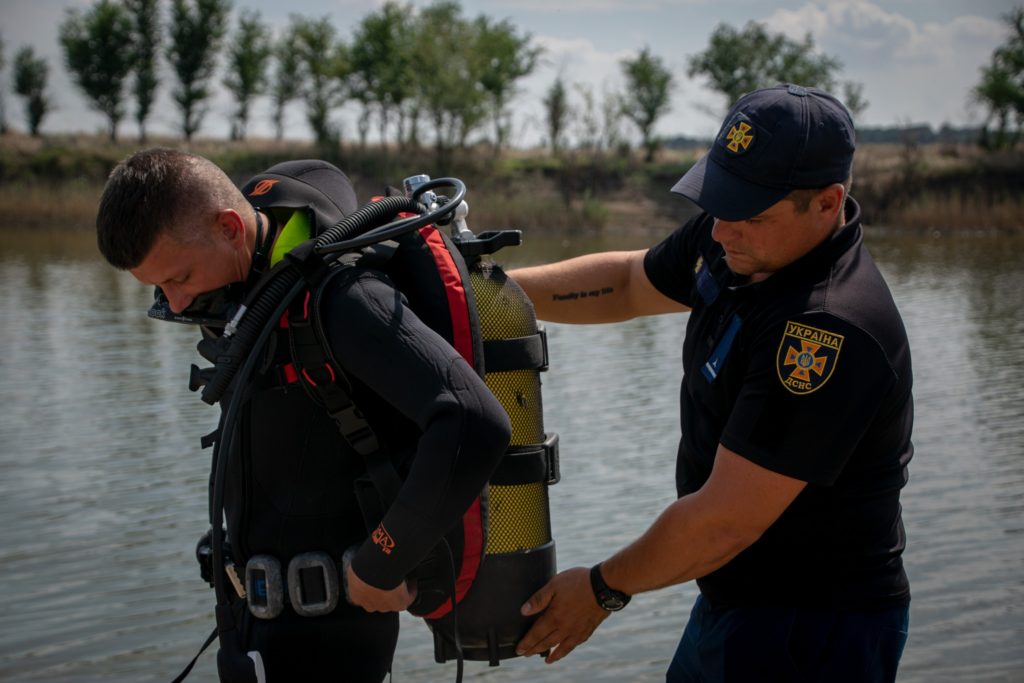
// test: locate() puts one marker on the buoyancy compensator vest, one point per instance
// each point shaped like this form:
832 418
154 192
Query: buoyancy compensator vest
504 550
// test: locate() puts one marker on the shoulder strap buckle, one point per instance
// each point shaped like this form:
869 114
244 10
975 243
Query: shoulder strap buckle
308 262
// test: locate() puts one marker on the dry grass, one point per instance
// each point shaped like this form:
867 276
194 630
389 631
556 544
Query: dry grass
959 213
56 182
885 163
71 205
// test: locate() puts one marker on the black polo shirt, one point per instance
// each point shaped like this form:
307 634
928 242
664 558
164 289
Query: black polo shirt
807 374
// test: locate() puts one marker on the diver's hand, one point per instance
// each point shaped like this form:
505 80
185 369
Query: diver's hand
373 599
570 615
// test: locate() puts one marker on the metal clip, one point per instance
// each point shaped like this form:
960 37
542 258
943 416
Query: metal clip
231 569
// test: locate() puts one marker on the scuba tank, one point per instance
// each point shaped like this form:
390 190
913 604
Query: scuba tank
519 555
481 620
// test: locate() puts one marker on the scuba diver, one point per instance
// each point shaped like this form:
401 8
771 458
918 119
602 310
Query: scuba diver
328 530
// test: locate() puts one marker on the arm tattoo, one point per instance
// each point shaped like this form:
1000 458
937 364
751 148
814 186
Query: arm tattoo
588 294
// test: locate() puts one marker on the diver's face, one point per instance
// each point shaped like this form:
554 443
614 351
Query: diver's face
185 270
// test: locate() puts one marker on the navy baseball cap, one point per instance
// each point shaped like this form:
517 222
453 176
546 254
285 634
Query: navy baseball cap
773 141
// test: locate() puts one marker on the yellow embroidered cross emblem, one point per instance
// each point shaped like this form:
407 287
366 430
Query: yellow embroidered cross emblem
739 136
805 360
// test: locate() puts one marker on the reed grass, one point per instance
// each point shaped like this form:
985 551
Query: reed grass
56 182
71 205
938 213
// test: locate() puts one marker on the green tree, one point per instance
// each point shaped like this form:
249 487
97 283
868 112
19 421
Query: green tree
853 98
588 122
286 85
648 89
506 57
146 40
98 53
30 76
248 56
1001 89
557 113
196 31
366 109
3 90
323 70
611 121
740 61
382 64
448 77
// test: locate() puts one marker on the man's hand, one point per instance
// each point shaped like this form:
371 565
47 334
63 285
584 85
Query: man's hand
571 614
372 599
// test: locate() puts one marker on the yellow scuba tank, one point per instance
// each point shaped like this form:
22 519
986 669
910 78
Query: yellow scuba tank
519 553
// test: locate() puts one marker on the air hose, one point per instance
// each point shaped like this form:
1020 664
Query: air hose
356 230
255 312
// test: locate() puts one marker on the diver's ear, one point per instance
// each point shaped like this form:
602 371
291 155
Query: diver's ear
231 226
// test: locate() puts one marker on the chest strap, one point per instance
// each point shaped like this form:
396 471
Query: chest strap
326 383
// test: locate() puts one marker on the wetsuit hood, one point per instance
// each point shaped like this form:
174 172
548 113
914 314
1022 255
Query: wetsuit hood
306 183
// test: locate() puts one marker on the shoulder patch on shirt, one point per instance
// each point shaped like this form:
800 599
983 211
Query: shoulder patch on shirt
807 356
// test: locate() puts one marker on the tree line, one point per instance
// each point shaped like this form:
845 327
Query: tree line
419 76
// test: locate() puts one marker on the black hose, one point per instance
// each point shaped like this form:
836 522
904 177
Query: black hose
221 453
261 302
457 640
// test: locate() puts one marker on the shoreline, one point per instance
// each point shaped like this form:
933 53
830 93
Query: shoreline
54 183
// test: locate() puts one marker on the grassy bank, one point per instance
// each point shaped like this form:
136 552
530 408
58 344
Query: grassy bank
56 182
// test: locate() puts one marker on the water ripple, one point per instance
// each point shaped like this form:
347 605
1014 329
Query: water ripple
103 483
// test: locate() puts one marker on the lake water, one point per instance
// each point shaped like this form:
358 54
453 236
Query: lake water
102 483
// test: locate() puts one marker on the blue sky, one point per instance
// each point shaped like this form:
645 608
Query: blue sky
917 59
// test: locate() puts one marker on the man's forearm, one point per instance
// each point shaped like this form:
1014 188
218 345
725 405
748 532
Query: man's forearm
702 531
684 543
587 289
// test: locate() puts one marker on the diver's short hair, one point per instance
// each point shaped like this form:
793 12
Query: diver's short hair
158 190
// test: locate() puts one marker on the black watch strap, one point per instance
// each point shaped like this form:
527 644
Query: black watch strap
607 598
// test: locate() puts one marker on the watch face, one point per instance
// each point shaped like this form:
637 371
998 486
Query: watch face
611 601
608 598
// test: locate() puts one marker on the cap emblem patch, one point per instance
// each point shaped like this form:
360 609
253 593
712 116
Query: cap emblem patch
739 137
807 356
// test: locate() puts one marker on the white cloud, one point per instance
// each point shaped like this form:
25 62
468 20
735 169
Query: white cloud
845 24
947 42
581 58
909 68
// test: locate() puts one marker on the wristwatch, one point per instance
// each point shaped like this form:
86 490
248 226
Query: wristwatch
607 598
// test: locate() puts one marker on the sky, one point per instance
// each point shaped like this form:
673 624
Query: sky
917 59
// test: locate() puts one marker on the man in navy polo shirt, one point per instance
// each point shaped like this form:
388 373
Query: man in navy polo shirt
796 413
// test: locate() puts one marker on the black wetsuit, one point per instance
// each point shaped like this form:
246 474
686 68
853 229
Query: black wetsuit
290 484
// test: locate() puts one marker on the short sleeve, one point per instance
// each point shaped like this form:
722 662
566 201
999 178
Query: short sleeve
669 265
812 387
